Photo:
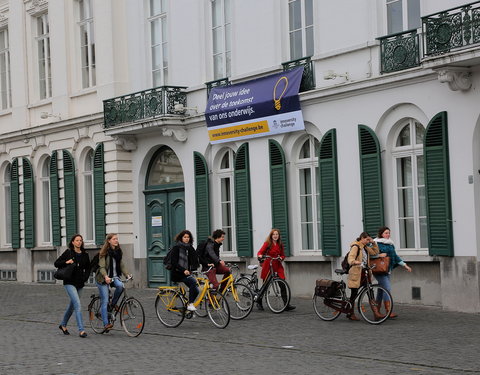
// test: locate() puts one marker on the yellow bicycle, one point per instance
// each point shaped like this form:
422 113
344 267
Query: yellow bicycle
171 305
239 296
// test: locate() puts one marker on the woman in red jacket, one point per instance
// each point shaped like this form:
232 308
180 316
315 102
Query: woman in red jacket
273 247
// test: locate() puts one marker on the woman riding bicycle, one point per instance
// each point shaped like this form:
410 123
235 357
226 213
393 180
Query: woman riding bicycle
273 247
359 259
184 261
110 268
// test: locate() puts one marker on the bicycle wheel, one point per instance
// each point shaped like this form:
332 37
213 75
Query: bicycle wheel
368 307
132 317
277 295
201 309
240 301
95 316
324 311
218 310
248 281
170 308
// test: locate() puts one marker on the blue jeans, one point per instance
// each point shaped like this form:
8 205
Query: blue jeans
383 281
103 291
193 291
74 305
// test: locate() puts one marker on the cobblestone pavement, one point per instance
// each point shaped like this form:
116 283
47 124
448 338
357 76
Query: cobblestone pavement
422 340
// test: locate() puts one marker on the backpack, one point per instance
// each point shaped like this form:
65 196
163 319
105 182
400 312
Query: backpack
167 261
201 252
345 265
94 263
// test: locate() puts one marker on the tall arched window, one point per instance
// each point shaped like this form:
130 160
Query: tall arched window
89 216
309 202
410 185
7 204
46 208
227 193
165 169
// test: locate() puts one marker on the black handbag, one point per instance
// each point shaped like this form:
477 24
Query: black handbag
64 273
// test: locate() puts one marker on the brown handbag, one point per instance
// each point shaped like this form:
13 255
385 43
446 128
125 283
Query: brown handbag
381 265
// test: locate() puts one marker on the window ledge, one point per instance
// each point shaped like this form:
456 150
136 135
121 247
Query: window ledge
90 90
5 112
7 249
40 103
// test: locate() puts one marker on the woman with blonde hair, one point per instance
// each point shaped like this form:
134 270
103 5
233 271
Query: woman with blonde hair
110 268
273 247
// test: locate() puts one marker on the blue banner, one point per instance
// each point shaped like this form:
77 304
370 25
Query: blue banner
255 108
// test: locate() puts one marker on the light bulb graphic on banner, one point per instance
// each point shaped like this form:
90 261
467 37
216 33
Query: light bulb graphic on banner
276 101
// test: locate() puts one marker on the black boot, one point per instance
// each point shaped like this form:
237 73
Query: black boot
260 305
283 292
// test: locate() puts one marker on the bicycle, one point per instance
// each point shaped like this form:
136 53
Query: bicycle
132 315
330 308
171 304
275 290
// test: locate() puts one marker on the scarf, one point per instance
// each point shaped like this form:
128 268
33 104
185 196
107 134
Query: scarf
183 254
115 256
385 241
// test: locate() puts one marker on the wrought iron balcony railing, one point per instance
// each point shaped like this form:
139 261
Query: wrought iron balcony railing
217 83
399 51
308 78
451 29
146 104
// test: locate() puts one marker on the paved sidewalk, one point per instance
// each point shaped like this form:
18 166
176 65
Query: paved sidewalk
422 340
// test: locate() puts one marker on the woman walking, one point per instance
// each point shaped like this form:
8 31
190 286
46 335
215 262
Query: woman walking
75 254
387 247
110 268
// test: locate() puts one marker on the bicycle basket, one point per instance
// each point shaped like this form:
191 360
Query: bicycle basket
326 288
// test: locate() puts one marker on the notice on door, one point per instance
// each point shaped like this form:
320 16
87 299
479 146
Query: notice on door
157 221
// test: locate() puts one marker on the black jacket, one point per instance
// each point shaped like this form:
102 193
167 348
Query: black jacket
177 272
212 253
82 267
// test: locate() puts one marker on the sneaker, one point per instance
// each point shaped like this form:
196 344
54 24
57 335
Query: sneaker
190 307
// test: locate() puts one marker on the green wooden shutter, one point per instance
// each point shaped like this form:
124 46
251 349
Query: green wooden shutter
55 201
278 189
329 201
243 210
371 177
99 194
70 194
202 196
28 203
437 181
15 204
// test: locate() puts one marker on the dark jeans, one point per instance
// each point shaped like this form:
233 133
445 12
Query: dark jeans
193 291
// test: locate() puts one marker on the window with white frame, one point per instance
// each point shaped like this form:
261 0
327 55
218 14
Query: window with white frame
43 53
5 89
87 43
309 197
300 21
46 208
89 219
158 42
7 195
410 186
227 193
222 38
403 15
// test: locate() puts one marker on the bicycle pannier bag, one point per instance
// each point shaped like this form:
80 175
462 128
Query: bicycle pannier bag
326 288
381 265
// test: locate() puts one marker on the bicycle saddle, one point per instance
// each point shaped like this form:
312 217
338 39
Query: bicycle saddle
252 266
340 271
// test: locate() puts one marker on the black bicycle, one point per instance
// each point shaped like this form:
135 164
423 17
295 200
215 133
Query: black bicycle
275 290
329 306
132 316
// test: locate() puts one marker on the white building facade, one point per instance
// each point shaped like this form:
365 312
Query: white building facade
103 130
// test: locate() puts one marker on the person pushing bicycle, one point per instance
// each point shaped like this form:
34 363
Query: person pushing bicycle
273 247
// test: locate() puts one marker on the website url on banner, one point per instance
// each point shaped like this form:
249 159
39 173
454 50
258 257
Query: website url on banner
239 131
